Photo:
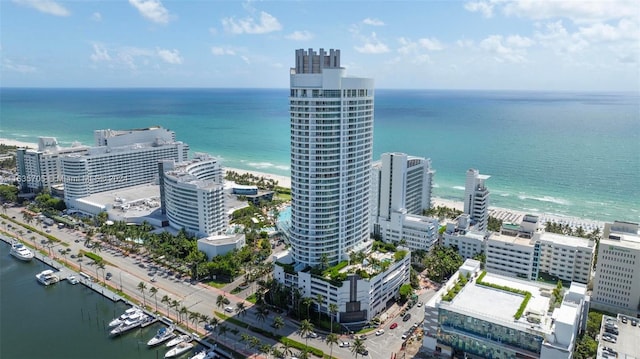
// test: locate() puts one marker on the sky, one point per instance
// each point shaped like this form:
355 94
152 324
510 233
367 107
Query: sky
564 45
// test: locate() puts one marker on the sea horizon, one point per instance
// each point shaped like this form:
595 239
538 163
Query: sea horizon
565 153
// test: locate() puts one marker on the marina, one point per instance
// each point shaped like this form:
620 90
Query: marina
81 312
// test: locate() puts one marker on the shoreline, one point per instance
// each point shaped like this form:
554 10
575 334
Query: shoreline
504 214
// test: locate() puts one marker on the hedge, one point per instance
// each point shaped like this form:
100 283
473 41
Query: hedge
93 256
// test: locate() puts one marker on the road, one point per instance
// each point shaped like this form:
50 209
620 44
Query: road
129 271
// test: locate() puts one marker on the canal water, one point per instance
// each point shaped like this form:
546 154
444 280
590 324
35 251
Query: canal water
62 320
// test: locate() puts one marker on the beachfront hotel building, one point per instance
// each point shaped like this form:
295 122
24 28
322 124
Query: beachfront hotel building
120 159
466 238
525 251
493 316
331 157
476 199
192 195
616 285
40 168
400 192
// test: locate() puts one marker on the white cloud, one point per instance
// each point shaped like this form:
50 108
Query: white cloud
372 46
519 41
170 56
152 10
373 22
624 30
577 11
484 7
501 52
9 65
300 36
266 24
556 37
100 53
431 44
245 59
46 6
96 16
220 51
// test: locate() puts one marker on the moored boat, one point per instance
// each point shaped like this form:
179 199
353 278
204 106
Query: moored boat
132 312
162 335
179 339
47 277
21 252
72 279
204 354
129 324
179 349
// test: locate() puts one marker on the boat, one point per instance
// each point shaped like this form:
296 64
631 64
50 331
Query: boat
72 279
179 339
129 324
179 349
162 335
204 354
147 320
129 313
21 252
47 277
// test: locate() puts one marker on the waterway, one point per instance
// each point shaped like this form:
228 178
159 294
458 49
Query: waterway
62 320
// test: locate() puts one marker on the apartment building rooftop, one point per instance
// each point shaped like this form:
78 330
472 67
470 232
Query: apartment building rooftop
565 240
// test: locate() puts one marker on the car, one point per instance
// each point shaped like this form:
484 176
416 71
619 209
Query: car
109 275
611 331
406 317
363 351
344 344
73 256
379 332
154 279
405 335
312 335
228 309
393 326
624 320
634 322
609 338
420 304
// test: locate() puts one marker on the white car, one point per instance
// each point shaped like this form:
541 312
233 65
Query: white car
344 344
379 331
312 335
228 309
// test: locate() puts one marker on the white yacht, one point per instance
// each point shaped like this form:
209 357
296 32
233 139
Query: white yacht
204 354
129 324
72 279
47 277
132 312
162 335
21 252
179 339
179 349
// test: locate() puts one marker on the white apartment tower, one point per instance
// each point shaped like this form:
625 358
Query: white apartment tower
616 285
192 195
331 151
476 199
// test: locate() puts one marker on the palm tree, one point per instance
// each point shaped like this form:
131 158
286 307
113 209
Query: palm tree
244 337
286 349
306 327
100 265
194 317
184 311
319 301
176 305
331 340
141 288
154 291
261 315
358 347
333 310
278 323
266 348
307 303
214 322
166 301
240 309
222 329
220 301
203 318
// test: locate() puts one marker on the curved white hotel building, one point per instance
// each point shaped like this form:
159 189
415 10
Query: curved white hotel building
192 195
331 151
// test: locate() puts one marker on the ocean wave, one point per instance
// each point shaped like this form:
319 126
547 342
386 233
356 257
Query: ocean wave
267 165
549 199
461 188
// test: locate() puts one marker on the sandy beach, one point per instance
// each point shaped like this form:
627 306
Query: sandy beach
8 142
504 214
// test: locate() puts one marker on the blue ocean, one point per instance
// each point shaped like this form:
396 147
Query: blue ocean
560 153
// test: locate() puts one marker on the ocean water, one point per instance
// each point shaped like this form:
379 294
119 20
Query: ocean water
561 153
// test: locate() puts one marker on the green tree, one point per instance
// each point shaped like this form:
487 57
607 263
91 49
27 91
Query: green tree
154 291
405 291
278 323
358 347
220 301
331 340
142 287
306 328
333 310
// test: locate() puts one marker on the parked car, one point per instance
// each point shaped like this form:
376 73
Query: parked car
344 344
379 331
405 335
393 326
312 335
228 309
406 317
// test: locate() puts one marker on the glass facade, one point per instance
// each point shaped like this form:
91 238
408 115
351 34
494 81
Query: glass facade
486 339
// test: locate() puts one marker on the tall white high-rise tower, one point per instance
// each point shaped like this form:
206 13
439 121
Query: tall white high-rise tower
331 153
476 199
